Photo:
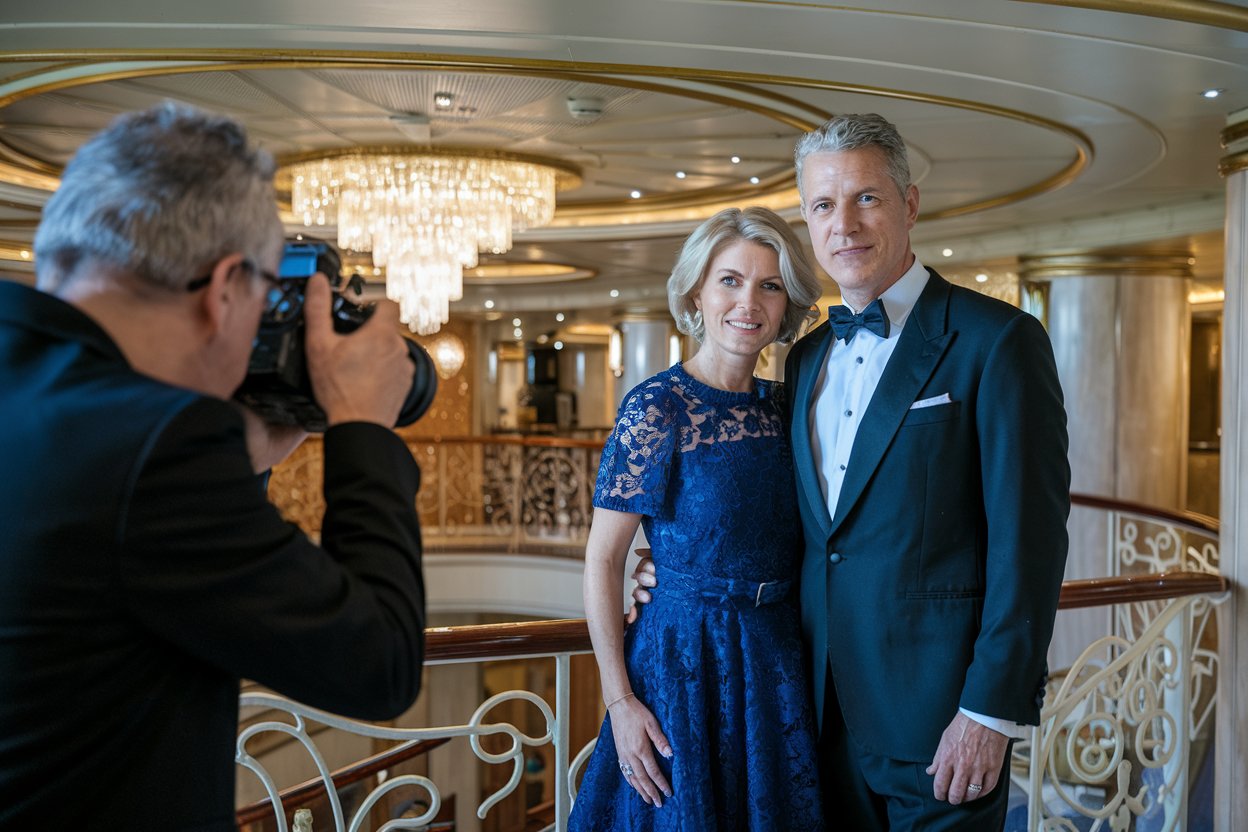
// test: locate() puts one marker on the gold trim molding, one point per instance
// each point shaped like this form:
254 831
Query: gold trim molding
1233 164
15 251
1203 12
777 192
1144 264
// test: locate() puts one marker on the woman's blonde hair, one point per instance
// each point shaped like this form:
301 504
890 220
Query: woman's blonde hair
758 225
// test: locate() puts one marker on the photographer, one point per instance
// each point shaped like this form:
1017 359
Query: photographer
142 572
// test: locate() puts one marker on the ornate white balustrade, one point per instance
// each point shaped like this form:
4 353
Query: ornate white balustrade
1113 751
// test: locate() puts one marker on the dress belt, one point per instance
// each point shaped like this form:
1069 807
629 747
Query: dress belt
710 586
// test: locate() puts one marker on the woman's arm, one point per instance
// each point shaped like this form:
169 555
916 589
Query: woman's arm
636 731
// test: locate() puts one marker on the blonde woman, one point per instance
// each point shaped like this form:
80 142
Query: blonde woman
709 725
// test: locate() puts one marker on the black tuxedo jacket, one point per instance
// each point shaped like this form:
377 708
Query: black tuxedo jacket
142 573
936 583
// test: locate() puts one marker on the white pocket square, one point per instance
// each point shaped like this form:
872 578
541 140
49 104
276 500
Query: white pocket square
943 398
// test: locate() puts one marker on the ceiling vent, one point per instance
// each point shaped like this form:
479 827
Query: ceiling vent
585 108
414 126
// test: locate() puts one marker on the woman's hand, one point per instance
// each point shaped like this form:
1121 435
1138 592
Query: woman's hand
637 736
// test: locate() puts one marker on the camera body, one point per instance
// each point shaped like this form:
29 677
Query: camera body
277 386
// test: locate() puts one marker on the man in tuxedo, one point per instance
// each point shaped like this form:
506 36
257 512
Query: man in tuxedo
929 443
142 571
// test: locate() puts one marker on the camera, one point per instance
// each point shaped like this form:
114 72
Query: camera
277 386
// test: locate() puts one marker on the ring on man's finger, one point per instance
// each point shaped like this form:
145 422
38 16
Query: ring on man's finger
626 770
974 787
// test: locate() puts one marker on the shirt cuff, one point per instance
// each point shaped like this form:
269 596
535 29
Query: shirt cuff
1009 727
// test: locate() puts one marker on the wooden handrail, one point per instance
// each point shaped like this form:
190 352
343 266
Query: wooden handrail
520 638
312 789
1102 592
1191 519
571 635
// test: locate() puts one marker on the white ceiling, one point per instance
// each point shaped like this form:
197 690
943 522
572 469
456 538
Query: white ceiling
1034 127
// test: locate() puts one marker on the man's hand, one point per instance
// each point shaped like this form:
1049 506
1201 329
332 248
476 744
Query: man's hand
267 444
363 376
644 576
969 754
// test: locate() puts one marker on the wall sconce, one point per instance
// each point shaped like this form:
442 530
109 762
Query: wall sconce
447 352
615 353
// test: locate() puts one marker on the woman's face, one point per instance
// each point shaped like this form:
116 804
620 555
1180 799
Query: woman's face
742 299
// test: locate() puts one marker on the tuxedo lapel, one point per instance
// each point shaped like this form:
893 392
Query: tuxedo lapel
919 349
803 456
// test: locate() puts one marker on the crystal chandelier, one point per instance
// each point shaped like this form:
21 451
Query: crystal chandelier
425 214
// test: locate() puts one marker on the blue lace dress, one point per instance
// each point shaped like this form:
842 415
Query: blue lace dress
717 654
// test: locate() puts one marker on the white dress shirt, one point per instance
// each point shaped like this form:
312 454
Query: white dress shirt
841 394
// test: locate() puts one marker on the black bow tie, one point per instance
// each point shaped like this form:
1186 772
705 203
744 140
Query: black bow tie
845 324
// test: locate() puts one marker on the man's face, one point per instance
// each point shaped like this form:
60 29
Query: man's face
859 223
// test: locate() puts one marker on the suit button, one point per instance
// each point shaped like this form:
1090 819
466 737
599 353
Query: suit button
835 557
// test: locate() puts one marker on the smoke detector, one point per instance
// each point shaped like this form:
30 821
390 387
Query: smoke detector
585 108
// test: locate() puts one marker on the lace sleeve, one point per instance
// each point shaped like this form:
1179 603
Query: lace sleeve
637 458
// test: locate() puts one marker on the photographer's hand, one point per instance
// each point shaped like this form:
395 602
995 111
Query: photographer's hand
363 376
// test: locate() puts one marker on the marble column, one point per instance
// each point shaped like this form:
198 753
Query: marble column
1231 762
645 340
1120 326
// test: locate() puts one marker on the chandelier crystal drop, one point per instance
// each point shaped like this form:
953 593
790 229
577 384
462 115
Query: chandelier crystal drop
424 216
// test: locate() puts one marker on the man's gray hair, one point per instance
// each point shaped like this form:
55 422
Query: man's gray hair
850 132
758 225
160 196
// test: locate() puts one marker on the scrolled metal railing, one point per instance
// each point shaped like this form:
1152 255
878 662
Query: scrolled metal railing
1116 731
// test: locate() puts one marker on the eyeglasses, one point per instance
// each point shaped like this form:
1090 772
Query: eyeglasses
272 298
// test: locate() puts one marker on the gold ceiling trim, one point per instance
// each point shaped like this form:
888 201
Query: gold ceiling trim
526 272
1203 12
567 175
638 211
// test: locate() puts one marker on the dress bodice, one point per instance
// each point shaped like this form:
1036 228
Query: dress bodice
710 472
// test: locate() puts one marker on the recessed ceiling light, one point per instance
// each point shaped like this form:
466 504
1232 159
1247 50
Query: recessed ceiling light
981 278
635 194
615 293
25 254
947 252
543 338
515 322
680 174
1213 92
753 180
518 332
443 100
558 345
559 316
736 160
489 304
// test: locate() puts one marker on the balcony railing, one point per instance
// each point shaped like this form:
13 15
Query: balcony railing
1118 731
529 494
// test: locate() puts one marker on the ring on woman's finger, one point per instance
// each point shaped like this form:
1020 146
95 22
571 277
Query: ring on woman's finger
626 770
974 787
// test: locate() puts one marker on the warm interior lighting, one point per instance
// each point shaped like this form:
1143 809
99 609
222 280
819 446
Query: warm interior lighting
1197 296
447 352
425 216
615 353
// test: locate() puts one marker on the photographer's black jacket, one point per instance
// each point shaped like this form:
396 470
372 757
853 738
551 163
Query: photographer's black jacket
142 574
